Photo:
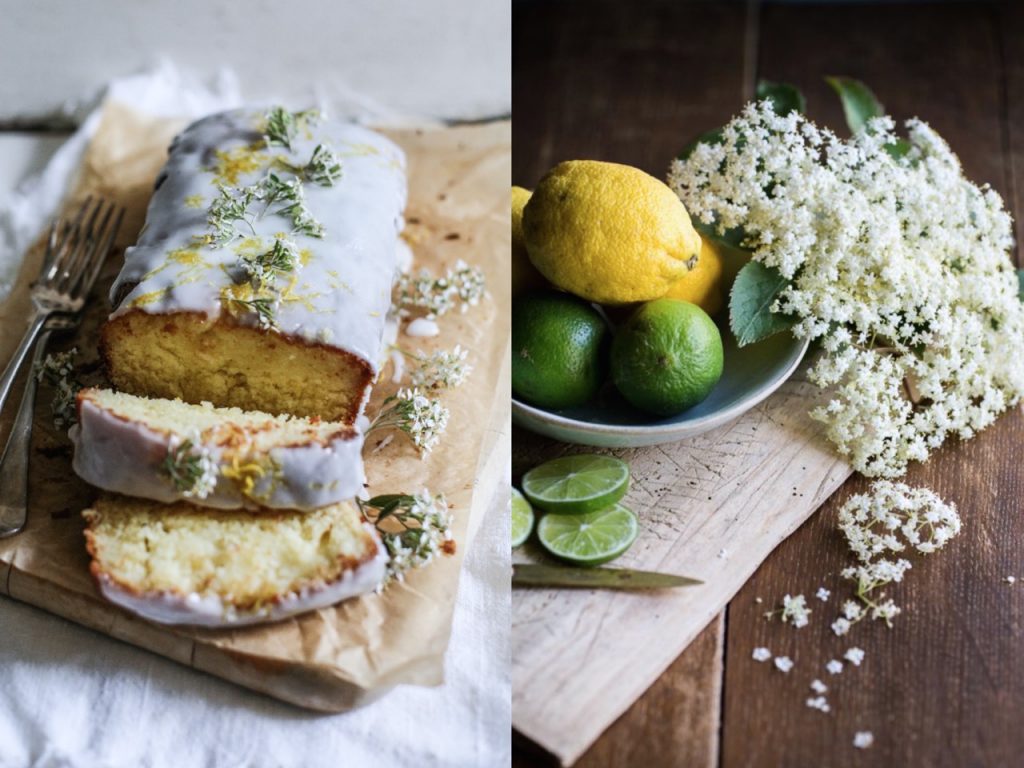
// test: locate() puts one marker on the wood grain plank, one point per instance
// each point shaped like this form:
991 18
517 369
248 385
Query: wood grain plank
601 80
942 686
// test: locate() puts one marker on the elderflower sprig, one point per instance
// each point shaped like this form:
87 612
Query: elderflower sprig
190 468
892 517
282 125
230 206
263 307
898 263
58 371
324 166
422 418
261 270
415 529
794 611
439 370
461 287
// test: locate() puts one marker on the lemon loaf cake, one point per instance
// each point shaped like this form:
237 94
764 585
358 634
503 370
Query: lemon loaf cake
262 277
168 450
180 564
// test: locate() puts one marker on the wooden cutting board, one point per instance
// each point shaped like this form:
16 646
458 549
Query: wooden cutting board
712 507
345 655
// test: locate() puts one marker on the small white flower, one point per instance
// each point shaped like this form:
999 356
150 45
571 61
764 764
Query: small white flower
819 703
818 687
442 369
863 739
834 667
822 594
1010 579
795 611
761 654
841 626
855 656
783 663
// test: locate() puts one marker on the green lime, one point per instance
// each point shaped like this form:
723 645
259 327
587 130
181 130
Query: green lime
667 357
558 350
590 539
577 484
522 519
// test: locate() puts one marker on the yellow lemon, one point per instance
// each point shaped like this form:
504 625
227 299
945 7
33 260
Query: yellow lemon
703 284
608 233
525 277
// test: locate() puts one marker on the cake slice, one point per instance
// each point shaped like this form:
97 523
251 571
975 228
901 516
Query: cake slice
168 450
262 278
181 564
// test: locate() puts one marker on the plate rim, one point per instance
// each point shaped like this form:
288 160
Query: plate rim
626 430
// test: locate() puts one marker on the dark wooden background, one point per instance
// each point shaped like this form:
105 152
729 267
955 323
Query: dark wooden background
633 82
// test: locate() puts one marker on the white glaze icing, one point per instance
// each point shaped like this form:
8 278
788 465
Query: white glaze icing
126 456
210 610
422 327
340 295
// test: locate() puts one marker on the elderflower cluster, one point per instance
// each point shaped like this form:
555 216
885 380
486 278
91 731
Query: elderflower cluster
444 368
425 532
899 264
795 611
891 518
190 467
57 371
422 418
461 287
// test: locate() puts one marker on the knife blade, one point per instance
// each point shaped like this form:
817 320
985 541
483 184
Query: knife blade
533 575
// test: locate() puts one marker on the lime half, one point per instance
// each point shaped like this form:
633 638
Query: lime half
522 519
577 484
590 539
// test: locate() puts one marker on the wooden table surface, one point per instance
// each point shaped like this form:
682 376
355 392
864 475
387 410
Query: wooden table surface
633 82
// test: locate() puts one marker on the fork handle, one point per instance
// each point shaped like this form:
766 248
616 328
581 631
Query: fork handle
14 462
38 319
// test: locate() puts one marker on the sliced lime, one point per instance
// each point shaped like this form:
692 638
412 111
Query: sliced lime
577 484
522 519
590 539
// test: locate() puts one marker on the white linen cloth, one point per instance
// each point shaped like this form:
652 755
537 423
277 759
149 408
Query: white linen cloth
73 698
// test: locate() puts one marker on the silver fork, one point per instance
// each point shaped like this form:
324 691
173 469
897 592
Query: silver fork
75 251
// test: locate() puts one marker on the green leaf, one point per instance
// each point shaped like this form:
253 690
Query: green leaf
1020 284
859 103
708 137
755 290
785 98
732 237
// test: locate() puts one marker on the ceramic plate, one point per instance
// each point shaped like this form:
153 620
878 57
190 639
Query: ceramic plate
750 375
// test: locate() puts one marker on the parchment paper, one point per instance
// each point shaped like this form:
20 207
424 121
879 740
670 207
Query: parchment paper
338 657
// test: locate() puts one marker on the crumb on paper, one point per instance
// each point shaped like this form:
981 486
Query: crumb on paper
722 554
